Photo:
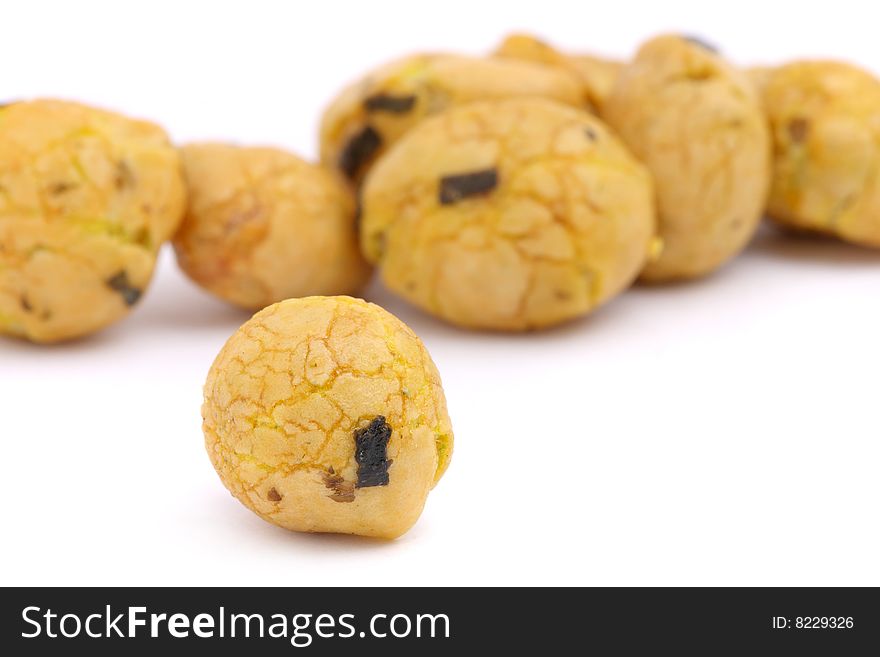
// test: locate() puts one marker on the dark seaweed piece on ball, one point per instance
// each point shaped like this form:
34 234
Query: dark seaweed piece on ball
702 43
371 445
120 283
389 103
455 188
359 150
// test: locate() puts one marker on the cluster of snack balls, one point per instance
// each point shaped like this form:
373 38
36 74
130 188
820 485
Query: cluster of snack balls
512 192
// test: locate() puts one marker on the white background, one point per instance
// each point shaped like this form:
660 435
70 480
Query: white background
719 432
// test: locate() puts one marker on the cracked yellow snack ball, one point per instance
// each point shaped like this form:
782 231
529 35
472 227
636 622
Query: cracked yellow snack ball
825 121
263 225
87 197
371 114
326 414
509 215
596 74
697 123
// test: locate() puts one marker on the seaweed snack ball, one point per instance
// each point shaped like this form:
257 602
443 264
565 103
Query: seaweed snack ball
825 122
263 225
87 197
326 414
596 74
697 124
371 114
508 215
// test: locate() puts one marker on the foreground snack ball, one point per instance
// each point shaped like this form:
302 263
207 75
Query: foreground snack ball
371 114
825 121
697 124
326 414
262 225
87 197
596 74
508 215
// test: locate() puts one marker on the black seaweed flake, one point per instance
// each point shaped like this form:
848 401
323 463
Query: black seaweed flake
371 445
592 135
459 186
120 283
273 495
359 150
389 103
25 304
697 41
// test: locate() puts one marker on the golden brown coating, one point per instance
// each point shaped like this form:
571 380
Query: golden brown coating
87 197
371 114
596 74
326 414
697 124
508 215
262 225
825 122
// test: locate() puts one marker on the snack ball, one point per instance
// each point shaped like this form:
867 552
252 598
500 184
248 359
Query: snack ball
371 114
825 121
596 74
509 215
697 124
326 414
262 225
87 197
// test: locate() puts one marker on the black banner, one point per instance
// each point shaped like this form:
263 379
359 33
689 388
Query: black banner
329 621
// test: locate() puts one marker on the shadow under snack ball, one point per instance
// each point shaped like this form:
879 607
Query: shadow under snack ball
509 215
263 225
87 197
326 414
697 124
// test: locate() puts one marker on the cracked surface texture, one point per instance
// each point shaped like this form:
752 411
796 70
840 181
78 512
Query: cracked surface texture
87 197
557 217
263 225
289 391
825 122
431 83
697 123
596 74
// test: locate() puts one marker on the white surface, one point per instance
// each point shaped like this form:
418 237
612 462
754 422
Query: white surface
721 432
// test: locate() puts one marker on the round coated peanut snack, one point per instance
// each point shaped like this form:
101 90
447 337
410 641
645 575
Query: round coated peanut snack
697 123
596 74
326 414
510 215
263 225
825 121
371 114
87 197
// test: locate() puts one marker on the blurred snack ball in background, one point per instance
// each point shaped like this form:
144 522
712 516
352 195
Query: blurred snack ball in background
511 215
326 414
87 197
697 123
262 225
825 122
595 74
369 115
